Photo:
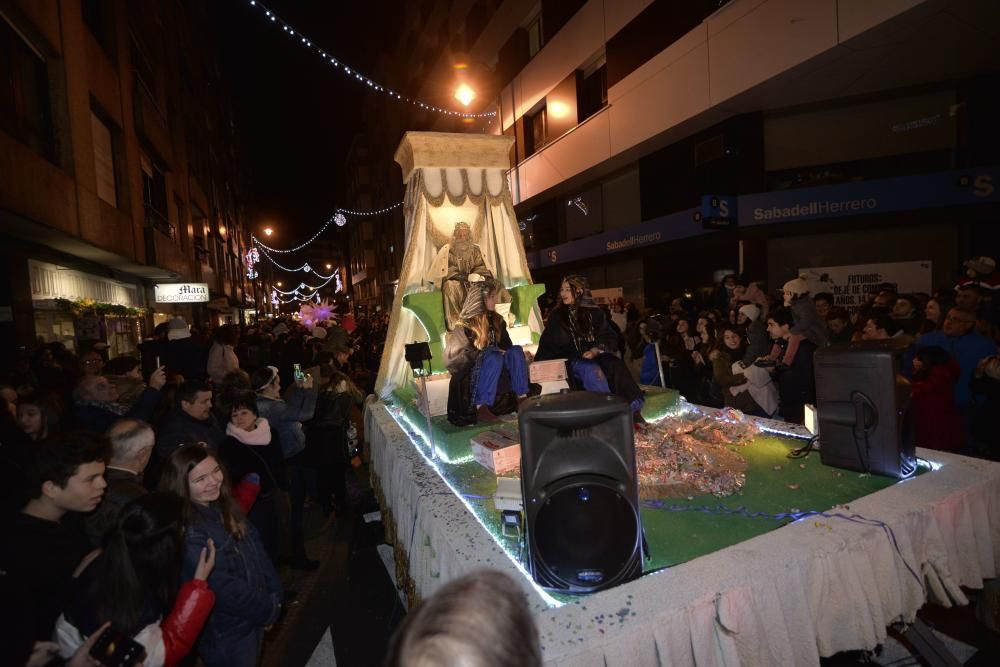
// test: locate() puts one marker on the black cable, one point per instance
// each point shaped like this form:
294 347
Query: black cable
803 451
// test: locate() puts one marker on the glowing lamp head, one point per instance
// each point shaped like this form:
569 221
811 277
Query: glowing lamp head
465 94
268 231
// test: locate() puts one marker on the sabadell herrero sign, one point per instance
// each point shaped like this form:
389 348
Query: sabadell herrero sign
181 293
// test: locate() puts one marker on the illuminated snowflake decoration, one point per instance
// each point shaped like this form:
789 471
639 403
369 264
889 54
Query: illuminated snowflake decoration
306 267
340 219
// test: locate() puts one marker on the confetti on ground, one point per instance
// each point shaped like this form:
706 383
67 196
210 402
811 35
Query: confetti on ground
793 486
694 453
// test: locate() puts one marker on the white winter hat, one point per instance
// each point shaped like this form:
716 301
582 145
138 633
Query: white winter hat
796 286
750 311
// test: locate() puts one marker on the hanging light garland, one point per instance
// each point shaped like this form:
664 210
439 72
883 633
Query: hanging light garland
305 267
339 218
358 76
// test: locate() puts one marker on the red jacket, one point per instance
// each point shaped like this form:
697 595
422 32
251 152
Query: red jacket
184 623
935 418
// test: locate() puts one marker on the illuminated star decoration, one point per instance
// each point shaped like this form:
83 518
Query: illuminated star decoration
313 314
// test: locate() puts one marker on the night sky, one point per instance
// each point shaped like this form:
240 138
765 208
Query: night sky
296 115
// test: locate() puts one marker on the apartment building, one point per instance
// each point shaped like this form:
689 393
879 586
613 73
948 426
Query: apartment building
120 175
659 144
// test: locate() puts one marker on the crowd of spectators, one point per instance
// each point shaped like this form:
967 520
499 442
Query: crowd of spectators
742 345
152 499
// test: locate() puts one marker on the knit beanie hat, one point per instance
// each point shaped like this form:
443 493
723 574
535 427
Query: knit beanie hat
750 311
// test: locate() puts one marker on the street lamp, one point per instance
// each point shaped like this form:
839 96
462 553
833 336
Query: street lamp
278 283
329 266
268 231
465 94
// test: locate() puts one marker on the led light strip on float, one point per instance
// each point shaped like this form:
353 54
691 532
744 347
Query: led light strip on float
357 76
417 439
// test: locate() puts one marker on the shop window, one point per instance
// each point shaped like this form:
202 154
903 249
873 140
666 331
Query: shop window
25 107
104 160
154 197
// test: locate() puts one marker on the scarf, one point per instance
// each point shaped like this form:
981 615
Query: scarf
261 435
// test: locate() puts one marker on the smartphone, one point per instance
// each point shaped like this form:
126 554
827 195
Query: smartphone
297 373
117 650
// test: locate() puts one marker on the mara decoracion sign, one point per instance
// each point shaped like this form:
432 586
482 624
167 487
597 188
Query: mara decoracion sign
181 293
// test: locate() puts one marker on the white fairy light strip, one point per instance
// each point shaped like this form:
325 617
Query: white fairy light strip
351 73
303 286
338 218
305 267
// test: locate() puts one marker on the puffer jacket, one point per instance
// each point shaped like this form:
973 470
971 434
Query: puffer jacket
248 593
167 640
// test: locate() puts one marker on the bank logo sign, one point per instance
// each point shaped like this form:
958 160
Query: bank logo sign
181 293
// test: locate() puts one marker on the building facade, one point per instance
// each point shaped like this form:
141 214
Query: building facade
631 118
119 171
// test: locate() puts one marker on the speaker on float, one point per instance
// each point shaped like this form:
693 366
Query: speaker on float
580 490
863 409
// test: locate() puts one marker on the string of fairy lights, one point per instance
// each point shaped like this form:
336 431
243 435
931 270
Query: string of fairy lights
354 74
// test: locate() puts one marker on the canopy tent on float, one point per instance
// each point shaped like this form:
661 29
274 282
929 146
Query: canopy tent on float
452 178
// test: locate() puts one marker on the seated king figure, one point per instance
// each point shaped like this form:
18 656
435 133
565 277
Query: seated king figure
488 372
458 264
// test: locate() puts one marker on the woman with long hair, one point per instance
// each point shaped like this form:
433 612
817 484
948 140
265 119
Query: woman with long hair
578 332
734 386
134 584
934 313
37 417
222 355
488 372
248 593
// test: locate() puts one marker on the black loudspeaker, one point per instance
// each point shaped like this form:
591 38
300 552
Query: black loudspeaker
580 490
863 409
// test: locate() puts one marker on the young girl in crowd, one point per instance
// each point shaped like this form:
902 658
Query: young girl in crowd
134 584
935 418
248 592
722 359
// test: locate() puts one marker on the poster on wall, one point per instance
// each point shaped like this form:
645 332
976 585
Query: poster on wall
852 284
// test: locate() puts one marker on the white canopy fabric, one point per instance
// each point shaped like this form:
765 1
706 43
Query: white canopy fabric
436 199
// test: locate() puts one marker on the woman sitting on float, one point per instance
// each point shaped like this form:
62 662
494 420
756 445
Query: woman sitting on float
488 372
578 331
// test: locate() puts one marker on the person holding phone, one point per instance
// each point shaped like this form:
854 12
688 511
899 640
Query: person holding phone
134 584
248 593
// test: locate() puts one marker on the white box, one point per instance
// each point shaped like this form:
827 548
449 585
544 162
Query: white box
508 495
495 452
553 387
547 371
437 394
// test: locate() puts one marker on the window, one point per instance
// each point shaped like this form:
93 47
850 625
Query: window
25 109
534 29
591 89
154 197
99 19
535 129
104 160
143 70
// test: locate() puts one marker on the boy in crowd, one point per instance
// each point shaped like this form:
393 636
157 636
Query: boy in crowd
44 543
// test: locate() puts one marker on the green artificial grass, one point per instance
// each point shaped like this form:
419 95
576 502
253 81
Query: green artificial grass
676 537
